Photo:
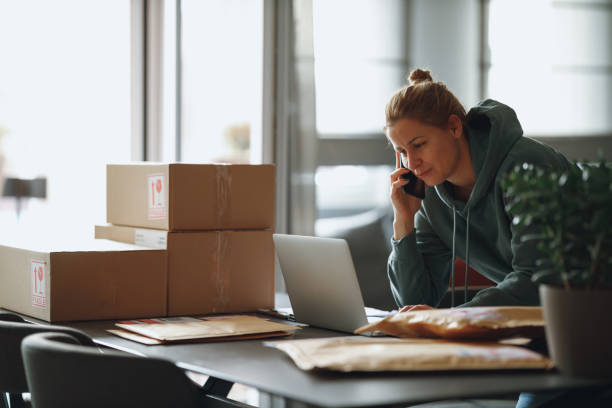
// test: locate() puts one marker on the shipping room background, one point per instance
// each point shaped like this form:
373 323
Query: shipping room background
301 84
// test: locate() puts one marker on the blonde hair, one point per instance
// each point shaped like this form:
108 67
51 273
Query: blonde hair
424 100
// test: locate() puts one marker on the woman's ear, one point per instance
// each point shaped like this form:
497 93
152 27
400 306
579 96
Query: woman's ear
455 125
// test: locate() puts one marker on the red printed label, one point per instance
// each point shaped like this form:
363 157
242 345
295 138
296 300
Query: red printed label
156 187
38 274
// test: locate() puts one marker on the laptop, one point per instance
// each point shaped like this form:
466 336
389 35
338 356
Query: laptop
321 282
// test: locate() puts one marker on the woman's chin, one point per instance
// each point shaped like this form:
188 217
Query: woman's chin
430 181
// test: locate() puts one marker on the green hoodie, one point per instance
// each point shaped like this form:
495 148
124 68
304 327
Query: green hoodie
420 264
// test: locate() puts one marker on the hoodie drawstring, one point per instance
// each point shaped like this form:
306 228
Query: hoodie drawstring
453 259
467 256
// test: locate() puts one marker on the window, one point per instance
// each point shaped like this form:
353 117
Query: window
343 190
221 56
357 69
64 106
552 62
359 66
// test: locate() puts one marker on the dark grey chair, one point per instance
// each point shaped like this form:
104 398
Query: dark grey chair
10 317
12 375
4 396
63 373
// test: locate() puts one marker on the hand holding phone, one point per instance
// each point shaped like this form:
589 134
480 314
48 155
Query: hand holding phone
416 187
407 191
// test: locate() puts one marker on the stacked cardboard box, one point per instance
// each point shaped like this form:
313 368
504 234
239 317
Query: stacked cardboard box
85 280
215 221
196 239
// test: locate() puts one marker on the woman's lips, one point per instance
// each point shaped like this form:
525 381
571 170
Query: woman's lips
421 175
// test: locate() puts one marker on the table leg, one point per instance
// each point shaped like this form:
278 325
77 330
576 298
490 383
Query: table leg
215 393
217 387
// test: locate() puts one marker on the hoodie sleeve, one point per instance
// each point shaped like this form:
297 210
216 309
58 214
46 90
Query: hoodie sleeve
419 266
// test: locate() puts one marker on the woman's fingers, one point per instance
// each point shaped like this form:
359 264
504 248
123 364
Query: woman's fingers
414 308
397 173
404 205
396 186
399 170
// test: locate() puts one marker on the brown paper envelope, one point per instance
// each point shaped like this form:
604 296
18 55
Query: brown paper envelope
199 329
150 342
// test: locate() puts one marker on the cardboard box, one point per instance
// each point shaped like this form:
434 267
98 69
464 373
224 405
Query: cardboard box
181 197
96 279
210 271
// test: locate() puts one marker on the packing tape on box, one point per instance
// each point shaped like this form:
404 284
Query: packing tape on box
224 183
222 278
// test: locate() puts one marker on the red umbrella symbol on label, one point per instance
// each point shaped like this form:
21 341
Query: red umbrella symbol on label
40 277
158 188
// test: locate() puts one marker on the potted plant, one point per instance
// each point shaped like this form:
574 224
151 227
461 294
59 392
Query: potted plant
569 215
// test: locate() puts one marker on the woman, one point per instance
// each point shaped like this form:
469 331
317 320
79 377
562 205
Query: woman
462 158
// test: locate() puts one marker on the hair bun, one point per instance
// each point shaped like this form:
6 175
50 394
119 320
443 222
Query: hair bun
419 75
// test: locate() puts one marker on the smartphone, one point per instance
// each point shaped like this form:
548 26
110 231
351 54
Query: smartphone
416 187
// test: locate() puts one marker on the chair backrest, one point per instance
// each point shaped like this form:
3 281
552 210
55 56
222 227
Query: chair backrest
12 374
10 317
62 373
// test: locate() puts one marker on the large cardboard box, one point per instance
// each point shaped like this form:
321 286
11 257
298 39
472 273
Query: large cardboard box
210 271
95 279
179 197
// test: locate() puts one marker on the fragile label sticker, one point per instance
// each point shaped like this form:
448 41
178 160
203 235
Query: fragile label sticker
150 238
156 187
38 274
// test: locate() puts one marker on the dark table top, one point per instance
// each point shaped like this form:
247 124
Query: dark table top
269 370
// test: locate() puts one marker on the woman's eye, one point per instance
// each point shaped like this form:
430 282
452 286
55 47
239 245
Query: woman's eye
418 145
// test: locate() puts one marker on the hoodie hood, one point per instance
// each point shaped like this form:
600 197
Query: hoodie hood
492 129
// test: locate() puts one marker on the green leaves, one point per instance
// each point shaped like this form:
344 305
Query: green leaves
569 216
